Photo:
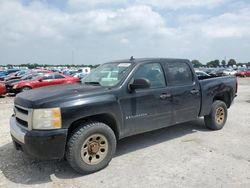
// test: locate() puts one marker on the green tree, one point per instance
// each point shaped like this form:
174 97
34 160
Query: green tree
196 63
231 62
214 63
223 63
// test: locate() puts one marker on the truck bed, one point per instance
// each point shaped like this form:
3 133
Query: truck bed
222 87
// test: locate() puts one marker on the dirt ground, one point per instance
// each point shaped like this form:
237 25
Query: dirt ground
185 155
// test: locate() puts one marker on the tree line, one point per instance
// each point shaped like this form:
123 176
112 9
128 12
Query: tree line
36 65
196 64
217 63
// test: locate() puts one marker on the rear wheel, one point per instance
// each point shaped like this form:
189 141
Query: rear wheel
217 117
91 147
26 88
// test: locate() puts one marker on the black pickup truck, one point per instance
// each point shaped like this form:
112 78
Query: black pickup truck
82 122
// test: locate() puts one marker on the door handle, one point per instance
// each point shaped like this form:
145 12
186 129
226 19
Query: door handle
164 96
194 91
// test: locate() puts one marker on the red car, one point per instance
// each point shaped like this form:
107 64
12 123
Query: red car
243 73
2 88
42 81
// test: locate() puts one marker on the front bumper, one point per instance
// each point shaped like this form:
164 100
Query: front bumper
39 144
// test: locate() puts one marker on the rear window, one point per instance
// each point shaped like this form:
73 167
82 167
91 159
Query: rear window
179 74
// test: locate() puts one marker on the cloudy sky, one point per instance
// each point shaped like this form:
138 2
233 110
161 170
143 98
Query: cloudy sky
96 31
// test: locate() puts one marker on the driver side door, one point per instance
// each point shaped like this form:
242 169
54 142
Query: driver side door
147 109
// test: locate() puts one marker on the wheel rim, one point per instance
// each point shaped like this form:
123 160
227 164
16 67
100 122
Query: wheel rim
94 149
26 89
220 115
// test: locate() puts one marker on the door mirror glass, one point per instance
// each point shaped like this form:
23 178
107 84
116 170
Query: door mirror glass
140 83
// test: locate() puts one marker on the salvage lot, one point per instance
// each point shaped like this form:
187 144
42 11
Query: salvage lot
185 155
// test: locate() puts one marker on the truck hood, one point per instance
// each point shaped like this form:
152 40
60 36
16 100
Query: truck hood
55 96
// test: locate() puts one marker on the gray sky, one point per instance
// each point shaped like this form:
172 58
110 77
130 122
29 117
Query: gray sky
96 31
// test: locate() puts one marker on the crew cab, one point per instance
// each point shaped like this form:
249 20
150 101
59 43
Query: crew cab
83 122
42 81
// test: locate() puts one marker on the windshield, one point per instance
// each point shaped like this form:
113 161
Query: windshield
109 74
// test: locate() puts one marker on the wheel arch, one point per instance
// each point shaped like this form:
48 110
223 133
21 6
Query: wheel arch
106 118
225 97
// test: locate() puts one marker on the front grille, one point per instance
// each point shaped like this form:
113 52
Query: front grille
21 122
22 110
23 116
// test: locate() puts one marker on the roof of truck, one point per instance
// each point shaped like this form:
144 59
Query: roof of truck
144 60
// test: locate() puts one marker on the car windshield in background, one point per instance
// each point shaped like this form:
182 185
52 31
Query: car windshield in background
109 74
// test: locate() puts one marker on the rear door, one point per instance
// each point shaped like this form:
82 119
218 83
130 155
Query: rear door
46 80
59 79
185 91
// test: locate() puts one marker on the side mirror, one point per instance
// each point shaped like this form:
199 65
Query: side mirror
141 83
40 79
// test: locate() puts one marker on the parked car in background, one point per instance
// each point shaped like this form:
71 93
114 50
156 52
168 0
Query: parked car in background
243 72
7 72
17 74
9 84
201 73
208 70
217 72
21 73
79 75
2 88
229 72
71 72
47 79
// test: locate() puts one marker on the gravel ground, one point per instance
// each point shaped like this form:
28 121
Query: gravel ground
185 155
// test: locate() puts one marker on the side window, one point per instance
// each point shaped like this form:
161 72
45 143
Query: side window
58 76
179 74
153 72
48 77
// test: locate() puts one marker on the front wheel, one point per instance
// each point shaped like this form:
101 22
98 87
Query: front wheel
217 117
91 147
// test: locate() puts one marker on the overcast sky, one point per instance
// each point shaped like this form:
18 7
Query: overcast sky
96 31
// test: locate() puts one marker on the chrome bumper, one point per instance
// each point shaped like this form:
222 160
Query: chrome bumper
17 132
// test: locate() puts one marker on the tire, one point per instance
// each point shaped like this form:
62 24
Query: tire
82 154
217 117
26 88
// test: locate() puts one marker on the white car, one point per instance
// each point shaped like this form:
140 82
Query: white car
201 73
229 72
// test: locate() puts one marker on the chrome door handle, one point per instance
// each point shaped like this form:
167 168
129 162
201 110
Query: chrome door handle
165 96
194 91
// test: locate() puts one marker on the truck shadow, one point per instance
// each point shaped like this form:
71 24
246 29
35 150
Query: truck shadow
20 168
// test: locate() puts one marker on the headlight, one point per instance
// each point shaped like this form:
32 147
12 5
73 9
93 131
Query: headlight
15 86
47 118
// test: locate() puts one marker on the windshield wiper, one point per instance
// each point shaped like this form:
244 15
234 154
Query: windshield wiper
92 83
